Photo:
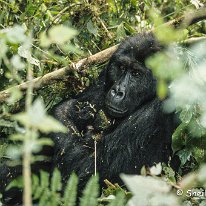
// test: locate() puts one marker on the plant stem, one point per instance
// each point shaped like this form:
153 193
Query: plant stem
95 157
27 195
27 198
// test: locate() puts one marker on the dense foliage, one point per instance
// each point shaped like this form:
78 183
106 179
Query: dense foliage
37 37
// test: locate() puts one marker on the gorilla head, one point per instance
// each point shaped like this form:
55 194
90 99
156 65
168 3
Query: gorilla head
129 83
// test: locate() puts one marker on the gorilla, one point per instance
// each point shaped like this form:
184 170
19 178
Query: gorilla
117 125
121 113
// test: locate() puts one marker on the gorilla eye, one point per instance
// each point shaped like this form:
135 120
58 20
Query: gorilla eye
122 68
135 73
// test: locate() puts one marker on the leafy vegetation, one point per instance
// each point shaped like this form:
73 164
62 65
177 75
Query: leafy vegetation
41 36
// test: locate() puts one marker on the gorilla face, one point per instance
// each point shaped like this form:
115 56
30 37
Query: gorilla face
129 84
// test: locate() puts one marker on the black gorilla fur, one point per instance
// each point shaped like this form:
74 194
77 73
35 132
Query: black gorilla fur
138 132
122 111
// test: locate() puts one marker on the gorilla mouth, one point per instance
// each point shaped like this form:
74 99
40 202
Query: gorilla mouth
115 111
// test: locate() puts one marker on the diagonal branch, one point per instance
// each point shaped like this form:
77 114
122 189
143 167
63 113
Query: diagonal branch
100 57
59 74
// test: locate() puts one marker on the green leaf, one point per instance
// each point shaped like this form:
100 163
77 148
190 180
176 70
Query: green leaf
57 34
184 155
199 154
17 63
121 31
112 6
129 28
90 192
45 198
4 48
3 148
164 32
202 174
6 123
91 28
159 64
186 115
15 34
56 184
170 173
51 125
44 40
14 151
55 199
178 137
17 137
61 34
119 200
15 95
35 187
162 89
36 118
37 193
18 182
25 53
44 177
70 193
45 141
144 189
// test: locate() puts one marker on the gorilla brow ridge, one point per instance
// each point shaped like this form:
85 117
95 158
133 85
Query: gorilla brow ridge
132 64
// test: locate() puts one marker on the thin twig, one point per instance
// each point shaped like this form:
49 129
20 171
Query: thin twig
105 28
57 17
95 157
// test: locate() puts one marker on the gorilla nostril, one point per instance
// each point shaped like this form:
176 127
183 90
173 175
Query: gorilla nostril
120 94
117 94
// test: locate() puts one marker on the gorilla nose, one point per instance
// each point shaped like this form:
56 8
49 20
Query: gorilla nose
118 93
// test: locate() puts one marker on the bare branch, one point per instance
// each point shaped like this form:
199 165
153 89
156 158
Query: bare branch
189 18
100 57
194 40
194 17
59 74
